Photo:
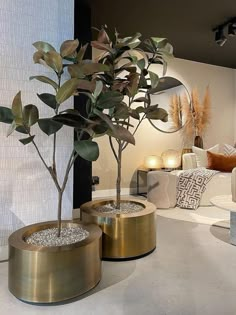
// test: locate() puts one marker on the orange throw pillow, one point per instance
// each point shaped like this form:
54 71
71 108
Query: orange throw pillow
220 162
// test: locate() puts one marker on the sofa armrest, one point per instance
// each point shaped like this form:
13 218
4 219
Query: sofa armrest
189 161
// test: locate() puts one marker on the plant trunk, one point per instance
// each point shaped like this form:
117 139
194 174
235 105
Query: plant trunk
60 193
198 142
118 180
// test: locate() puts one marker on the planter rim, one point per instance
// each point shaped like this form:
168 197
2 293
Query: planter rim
90 207
16 239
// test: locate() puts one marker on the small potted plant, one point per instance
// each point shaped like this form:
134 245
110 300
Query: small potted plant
60 259
129 60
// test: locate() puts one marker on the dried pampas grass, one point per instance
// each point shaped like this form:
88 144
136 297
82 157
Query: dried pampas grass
175 111
197 116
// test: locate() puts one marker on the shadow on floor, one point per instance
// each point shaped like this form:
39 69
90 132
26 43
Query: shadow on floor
221 233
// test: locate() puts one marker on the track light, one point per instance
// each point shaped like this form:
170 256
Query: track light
220 37
232 29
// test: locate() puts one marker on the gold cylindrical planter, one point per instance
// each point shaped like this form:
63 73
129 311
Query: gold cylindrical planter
52 274
125 236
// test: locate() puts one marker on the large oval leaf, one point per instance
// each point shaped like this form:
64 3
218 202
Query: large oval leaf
87 149
48 99
158 114
122 133
45 79
44 46
68 47
17 105
30 115
109 99
54 61
67 90
49 126
6 115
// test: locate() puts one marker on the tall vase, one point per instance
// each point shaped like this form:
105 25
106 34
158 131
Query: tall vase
198 142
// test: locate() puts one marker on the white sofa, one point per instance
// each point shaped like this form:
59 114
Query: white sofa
162 185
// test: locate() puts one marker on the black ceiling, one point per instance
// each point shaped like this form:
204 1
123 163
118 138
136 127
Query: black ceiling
186 23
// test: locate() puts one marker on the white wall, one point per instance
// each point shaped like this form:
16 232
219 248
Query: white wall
150 141
27 193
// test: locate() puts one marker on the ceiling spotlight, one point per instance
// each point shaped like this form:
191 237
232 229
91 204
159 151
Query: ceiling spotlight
220 39
232 29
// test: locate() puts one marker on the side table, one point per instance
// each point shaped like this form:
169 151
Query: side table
225 202
139 172
146 171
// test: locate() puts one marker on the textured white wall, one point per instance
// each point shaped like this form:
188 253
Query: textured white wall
27 193
152 142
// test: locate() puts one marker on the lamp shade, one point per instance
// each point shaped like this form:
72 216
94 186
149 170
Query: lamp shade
171 159
153 162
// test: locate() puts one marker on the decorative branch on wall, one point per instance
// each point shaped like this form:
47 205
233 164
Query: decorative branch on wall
197 117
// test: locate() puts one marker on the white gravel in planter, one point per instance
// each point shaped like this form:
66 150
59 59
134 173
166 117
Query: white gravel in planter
48 237
125 208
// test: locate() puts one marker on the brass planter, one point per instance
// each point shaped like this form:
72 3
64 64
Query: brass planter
125 236
52 274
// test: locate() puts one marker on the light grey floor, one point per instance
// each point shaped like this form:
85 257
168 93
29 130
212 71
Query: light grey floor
192 272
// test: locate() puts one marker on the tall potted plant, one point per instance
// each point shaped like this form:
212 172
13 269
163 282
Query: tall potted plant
59 253
129 60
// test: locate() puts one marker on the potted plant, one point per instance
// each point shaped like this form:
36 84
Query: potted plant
67 265
129 60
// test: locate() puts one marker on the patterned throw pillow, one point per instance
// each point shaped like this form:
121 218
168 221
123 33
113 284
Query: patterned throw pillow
229 150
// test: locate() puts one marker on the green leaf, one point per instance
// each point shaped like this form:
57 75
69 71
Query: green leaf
141 99
122 133
17 105
45 47
104 117
30 115
91 68
48 99
109 99
133 113
71 120
67 90
53 60
102 46
22 129
158 42
141 64
81 53
121 111
45 79
75 71
6 115
49 126
158 114
27 140
69 47
154 79
11 128
87 149
98 89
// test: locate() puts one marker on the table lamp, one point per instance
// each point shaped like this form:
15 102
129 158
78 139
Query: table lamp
153 162
171 159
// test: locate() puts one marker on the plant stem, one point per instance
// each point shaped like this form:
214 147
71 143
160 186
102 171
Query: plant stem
118 181
60 194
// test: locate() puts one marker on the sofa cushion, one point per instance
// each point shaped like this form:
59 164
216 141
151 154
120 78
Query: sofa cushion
201 154
220 162
229 150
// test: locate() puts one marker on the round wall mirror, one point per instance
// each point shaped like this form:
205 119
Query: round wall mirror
174 97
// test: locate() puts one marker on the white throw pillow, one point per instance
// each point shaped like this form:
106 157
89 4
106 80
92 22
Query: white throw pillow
201 154
229 150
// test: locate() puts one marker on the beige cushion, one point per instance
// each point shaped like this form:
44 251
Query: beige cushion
228 150
201 154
